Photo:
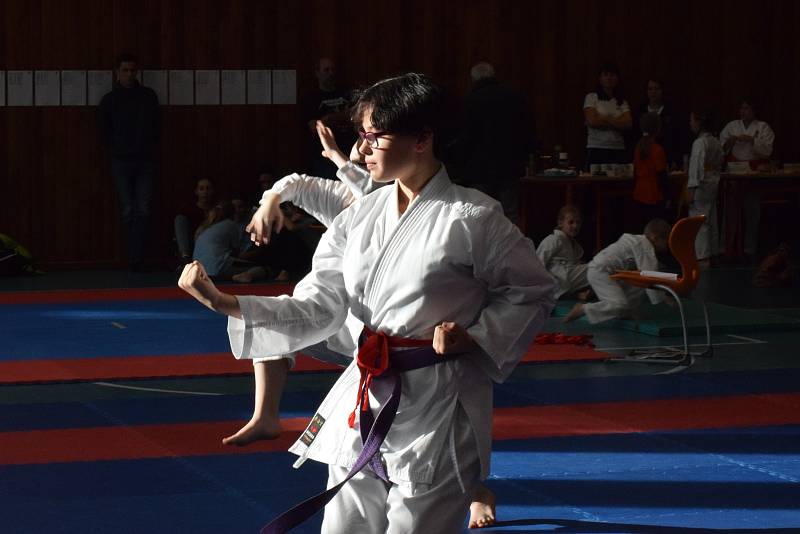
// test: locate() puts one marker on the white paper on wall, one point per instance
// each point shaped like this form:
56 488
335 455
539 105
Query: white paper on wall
234 90
157 81
206 87
47 88
259 86
2 88
99 82
181 87
284 86
73 87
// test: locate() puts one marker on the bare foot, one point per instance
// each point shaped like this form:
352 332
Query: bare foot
585 295
574 313
482 512
244 278
283 276
254 430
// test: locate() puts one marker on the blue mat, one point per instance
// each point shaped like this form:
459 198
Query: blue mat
662 320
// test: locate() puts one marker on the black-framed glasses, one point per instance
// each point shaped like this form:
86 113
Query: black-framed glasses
371 137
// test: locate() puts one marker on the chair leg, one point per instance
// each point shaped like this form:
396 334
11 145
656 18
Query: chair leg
663 356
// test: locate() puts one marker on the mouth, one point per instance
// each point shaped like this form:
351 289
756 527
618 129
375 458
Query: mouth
370 165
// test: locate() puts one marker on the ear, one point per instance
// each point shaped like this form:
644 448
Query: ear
424 142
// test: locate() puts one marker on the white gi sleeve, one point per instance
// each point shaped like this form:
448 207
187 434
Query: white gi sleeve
357 179
726 132
697 163
279 325
323 199
547 249
520 294
763 141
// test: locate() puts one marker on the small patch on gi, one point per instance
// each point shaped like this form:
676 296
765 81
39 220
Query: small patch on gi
312 429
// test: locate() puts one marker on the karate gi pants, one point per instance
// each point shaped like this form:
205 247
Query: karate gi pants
368 505
705 203
615 299
571 278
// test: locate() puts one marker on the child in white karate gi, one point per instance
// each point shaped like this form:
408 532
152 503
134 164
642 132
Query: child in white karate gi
561 254
629 252
324 199
705 164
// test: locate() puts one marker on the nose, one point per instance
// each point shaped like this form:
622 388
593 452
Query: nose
363 147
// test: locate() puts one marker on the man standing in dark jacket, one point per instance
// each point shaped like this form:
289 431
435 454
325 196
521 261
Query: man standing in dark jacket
496 137
130 125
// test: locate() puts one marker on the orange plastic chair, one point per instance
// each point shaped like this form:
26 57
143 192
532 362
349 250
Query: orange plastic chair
681 244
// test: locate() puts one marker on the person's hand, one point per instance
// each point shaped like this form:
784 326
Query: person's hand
328 141
195 281
268 217
450 338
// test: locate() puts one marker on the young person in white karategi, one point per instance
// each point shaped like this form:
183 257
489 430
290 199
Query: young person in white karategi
749 140
705 164
423 262
630 252
561 254
324 199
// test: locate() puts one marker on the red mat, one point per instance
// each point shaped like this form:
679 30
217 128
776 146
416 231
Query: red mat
194 439
213 364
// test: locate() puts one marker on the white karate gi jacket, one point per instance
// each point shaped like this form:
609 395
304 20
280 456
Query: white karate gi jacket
763 139
324 199
452 256
705 164
561 256
616 299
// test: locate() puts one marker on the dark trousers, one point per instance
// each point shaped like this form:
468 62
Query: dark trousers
134 182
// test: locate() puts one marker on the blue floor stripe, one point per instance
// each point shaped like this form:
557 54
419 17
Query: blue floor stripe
54 331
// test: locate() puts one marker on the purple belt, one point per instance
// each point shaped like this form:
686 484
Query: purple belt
376 364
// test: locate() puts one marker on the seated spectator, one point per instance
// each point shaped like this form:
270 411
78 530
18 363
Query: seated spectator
221 239
607 115
191 216
561 254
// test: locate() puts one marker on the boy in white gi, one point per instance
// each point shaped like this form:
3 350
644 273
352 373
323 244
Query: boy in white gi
561 254
705 164
421 263
630 252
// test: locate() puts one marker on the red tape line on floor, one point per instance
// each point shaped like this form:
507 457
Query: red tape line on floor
193 439
214 364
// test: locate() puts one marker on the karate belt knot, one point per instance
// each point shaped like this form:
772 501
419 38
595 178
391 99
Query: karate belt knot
376 361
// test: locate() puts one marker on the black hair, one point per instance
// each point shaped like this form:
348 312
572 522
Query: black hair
408 104
706 120
619 94
125 57
750 101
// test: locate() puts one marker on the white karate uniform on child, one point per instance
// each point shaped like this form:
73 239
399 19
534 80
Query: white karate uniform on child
561 256
704 168
618 299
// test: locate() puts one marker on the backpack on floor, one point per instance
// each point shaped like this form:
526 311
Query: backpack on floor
14 258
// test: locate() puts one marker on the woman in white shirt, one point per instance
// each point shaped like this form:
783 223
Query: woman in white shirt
607 115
